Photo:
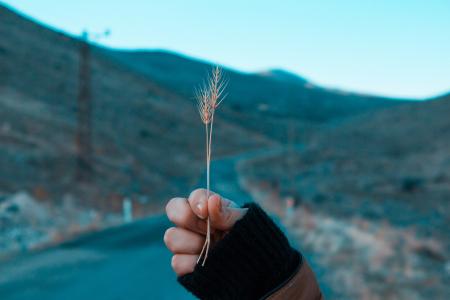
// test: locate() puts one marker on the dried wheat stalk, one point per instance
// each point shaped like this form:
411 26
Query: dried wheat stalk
209 96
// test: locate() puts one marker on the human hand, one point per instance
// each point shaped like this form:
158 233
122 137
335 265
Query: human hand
186 240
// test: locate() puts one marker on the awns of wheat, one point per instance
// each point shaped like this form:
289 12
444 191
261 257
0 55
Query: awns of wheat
209 96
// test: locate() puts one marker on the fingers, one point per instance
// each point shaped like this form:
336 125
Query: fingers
184 263
182 241
223 214
199 205
179 212
192 213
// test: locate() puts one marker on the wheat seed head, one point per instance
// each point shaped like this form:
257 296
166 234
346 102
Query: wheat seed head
210 95
203 104
217 85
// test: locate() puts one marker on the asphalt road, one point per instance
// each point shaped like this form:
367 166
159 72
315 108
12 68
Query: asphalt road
128 262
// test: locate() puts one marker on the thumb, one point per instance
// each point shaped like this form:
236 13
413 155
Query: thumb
223 213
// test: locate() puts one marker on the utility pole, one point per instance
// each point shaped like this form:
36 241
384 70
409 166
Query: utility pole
83 139
84 112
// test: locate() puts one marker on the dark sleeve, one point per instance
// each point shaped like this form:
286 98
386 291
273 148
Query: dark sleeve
251 261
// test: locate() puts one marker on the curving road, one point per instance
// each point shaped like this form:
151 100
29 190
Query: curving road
126 262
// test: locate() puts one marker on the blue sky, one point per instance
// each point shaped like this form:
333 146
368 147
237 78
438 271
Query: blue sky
397 48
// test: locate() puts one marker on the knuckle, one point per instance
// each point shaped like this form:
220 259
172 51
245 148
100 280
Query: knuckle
168 237
175 263
169 206
201 225
182 217
173 208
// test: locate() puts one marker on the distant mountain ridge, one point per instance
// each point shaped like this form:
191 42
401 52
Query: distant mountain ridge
283 75
147 134
284 93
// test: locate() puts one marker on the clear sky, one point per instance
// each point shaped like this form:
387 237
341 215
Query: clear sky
386 47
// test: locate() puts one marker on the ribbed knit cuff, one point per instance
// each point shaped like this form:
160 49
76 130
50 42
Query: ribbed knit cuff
251 260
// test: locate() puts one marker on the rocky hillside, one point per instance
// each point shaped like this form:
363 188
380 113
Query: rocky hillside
373 201
147 137
392 159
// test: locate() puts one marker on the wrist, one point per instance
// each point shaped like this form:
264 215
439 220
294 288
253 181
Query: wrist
253 258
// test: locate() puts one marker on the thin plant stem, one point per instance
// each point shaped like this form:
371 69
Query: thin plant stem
201 253
208 176
208 149
210 138
209 97
205 245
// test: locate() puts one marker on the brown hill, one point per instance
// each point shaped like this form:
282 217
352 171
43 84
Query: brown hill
393 163
373 201
147 138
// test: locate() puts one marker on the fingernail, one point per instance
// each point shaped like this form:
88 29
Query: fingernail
200 207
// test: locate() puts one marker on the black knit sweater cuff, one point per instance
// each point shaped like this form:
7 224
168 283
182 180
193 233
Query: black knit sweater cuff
250 261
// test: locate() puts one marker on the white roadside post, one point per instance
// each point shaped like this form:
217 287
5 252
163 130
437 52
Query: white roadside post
127 207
